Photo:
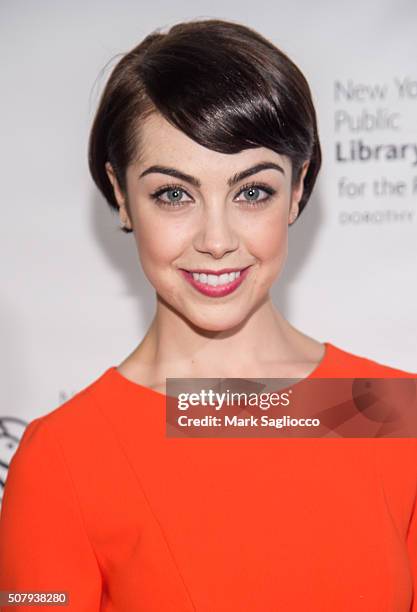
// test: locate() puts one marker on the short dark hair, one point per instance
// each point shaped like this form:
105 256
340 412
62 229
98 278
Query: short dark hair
222 84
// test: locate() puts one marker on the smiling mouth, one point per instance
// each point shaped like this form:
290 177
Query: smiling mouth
216 283
216 278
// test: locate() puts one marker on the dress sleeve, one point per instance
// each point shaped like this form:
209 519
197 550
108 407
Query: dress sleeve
43 542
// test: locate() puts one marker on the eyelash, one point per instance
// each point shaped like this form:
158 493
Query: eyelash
255 204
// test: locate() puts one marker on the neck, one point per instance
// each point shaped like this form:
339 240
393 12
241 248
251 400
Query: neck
173 347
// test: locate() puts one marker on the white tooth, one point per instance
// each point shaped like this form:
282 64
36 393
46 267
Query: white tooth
223 278
232 276
237 274
213 280
195 276
202 278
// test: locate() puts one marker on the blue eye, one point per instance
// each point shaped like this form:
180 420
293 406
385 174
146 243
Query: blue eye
177 191
176 202
254 189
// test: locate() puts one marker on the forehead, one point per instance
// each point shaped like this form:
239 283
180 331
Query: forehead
164 144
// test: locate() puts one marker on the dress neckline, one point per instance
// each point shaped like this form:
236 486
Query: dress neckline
112 373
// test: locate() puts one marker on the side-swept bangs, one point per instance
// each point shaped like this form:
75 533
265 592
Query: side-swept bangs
222 84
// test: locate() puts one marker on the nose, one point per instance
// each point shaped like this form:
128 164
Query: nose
215 235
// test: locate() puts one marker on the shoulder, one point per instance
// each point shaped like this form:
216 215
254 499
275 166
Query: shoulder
340 362
67 444
71 422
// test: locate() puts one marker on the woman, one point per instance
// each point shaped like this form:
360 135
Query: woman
205 142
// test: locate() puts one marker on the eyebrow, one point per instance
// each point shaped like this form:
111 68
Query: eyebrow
239 176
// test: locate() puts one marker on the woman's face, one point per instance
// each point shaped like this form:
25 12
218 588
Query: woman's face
211 219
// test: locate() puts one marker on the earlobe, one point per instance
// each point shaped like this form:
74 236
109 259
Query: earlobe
123 216
293 213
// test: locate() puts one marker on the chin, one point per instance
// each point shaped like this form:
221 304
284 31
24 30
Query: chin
217 322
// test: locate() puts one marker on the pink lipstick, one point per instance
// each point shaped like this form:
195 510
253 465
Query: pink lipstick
220 290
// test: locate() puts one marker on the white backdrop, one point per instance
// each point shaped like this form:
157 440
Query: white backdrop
74 299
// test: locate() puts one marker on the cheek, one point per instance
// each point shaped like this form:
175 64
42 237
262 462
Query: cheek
159 242
268 238
269 244
155 243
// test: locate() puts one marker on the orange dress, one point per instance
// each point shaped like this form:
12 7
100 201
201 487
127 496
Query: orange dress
99 503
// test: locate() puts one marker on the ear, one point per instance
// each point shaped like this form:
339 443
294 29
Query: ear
297 194
118 194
